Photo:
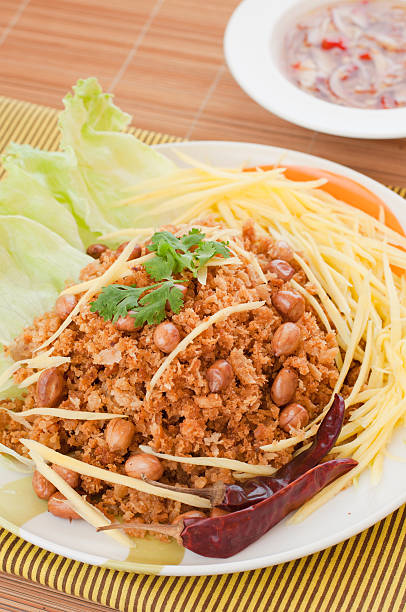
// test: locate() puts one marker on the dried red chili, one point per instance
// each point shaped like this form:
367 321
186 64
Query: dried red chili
256 489
251 491
224 536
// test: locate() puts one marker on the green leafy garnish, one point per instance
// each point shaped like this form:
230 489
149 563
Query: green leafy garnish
116 301
207 250
174 255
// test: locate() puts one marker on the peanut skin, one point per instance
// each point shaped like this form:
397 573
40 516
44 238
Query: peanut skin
119 434
282 250
126 324
293 416
290 304
50 388
143 465
64 305
135 253
95 250
58 506
281 268
284 386
42 487
69 476
166 336
219 375
286 339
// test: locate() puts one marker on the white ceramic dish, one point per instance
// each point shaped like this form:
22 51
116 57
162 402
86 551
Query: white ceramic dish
350 512
252 46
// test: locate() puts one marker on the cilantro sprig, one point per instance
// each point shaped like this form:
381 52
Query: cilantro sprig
116 301
173 255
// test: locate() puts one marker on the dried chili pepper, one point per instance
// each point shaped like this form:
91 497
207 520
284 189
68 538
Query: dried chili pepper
254 490
224 536
331 43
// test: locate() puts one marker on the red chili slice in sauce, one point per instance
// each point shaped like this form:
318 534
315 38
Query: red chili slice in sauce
330 43
350 53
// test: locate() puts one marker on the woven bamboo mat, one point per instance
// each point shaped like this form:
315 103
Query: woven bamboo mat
364 573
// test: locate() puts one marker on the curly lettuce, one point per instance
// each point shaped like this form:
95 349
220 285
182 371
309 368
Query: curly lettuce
54 204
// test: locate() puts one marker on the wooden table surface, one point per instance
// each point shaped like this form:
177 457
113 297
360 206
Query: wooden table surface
163 59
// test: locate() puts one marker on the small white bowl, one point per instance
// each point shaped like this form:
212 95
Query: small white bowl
252 46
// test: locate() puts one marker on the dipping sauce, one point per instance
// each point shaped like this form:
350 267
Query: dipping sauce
350 53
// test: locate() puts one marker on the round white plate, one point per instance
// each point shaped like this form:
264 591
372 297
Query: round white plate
252 46
352 511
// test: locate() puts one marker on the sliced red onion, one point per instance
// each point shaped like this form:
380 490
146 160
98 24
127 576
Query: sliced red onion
342 20
376 30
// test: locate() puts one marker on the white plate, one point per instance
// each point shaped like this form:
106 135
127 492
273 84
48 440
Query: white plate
252 46
350 512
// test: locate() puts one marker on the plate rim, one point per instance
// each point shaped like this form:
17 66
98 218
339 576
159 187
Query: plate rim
229 566
315 114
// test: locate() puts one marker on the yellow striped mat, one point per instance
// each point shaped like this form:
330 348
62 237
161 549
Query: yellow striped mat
364 573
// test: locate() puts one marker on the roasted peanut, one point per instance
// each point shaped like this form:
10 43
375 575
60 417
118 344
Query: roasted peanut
293 416
58 506
286 339
190 514
50 388
95 250
290 304
69 476
284 386
219 375
281 268
64 305
282 250
141 465
119 434
135 253
42 487
166 336
126 324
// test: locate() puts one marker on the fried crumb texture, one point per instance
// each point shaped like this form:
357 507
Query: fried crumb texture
109 371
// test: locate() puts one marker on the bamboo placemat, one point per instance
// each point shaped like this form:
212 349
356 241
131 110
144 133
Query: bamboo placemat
365 573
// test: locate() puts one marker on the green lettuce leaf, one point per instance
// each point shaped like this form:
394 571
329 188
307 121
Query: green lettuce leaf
54 204
56 178
34 265
78 185
108 160
24 192
12 391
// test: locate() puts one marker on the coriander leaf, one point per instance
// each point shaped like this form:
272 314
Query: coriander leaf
159 268
174 255
209 249
204 253
115 301
168 261
175 299
152 306
193 238
165 238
